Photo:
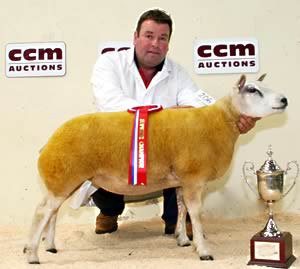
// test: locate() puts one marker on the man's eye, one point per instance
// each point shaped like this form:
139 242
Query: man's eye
163 39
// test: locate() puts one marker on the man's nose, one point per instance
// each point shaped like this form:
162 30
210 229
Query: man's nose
155 42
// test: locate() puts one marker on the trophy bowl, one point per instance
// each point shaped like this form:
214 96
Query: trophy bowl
270 185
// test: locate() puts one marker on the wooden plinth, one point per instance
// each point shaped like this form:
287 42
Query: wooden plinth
272 251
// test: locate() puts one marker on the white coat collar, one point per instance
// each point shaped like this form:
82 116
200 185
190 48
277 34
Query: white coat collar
166 67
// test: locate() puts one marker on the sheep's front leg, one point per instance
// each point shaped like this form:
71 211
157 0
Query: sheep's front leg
182 238
193 202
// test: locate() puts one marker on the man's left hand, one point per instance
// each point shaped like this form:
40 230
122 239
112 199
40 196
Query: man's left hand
245 123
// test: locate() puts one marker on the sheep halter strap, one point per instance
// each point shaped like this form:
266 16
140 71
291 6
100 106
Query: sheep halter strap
137 174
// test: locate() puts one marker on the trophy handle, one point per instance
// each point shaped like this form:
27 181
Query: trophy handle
249 166
297 174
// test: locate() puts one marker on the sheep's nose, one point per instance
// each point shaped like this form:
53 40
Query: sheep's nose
284 101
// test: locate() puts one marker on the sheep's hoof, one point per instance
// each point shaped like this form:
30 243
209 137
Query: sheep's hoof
34 262
29 259
187 244
184 244
52 250
206 258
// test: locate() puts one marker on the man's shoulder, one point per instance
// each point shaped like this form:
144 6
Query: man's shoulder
174 66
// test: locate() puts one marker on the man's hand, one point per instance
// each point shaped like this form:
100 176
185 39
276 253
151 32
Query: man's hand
245 123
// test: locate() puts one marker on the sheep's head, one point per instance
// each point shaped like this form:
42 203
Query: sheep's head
253 98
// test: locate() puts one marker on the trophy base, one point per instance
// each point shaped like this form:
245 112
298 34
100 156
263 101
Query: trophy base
272 251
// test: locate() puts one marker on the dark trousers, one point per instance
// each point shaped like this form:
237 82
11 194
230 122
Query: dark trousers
112 204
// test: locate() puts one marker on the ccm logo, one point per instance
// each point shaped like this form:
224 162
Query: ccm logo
113 49
225 50
32 54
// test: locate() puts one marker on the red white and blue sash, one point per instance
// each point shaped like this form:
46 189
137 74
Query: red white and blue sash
138 150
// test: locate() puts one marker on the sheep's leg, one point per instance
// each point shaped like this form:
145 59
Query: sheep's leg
42 216
49 239
182 238
193 202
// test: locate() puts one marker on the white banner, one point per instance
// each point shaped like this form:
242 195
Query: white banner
35 59
226 56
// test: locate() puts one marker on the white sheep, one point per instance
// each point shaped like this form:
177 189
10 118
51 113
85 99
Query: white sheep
186 148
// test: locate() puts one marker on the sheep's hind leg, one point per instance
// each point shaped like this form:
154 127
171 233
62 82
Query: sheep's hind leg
42 216
50 234
182 238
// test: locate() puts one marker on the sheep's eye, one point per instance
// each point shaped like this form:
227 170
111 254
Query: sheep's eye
252 89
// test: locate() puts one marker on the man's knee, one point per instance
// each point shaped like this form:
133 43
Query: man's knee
110 204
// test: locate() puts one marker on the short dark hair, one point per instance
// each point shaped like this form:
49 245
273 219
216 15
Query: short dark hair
157 15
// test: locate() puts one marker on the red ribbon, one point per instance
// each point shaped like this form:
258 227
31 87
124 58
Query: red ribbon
138 150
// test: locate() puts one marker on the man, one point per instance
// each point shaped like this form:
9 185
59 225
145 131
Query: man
143 75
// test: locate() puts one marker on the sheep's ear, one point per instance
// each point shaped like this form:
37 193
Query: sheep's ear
262 77
241 82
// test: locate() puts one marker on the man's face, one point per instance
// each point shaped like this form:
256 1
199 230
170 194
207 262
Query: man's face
151 43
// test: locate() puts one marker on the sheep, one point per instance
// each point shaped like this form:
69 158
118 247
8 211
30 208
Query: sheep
186 149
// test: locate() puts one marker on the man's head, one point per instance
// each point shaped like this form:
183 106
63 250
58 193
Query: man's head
151 38
157 15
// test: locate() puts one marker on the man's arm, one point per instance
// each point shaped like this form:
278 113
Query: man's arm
186 99
189 94
106 80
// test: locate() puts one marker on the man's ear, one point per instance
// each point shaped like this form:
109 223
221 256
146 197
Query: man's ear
135 36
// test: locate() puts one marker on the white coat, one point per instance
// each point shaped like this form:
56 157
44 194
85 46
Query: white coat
117 84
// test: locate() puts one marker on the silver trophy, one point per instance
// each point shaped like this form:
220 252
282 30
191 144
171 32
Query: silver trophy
271 247
270 185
